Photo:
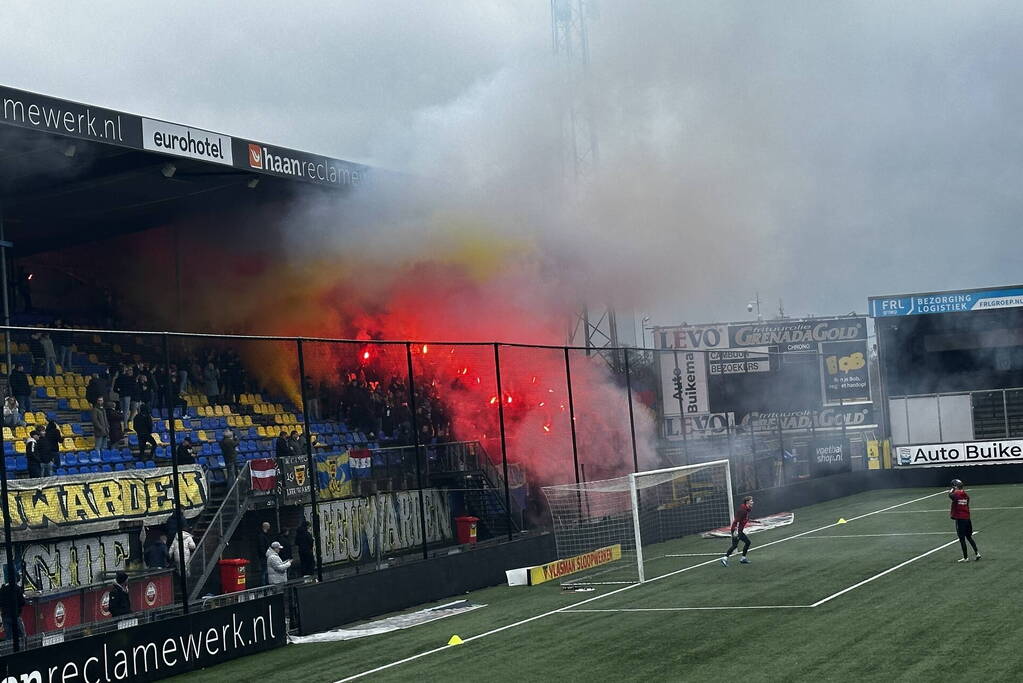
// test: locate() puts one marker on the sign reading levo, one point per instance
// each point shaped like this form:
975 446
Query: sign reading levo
84 503
571 565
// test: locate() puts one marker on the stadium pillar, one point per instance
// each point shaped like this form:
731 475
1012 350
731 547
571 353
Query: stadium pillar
415 436
176 513
753 451
632 416
504 445
845 437
313 476
571 415
8 544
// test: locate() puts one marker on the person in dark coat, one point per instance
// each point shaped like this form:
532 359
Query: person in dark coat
143 424
229 449
304 541
185 454
156 555
263 541
20 389
52 435
120 600
115 418
12 618
282 447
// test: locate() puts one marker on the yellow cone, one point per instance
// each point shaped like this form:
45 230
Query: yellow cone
455 640
841 520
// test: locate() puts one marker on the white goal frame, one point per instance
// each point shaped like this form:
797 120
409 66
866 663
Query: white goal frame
634 488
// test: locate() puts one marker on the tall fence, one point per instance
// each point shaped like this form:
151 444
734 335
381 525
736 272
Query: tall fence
346 442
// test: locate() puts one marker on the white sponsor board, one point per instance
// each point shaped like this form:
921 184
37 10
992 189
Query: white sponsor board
182 141
691 372
966 453
754 525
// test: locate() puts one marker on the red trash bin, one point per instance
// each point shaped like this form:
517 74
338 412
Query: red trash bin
466 529
232 575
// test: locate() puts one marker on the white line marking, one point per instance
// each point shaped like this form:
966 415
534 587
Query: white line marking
682 609
695 555
910 512
886 571
491 632
908 533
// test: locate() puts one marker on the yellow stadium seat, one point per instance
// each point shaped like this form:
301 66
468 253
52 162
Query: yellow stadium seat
40 417
8 435
19 447
261 430
248 420
51 392
200 411
201 436
20 433
74 404
179 426
65 430
30 418
81 392
58 381
78 443
218 411
48 381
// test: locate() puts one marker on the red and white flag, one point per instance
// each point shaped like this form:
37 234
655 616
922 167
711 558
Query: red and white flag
263 474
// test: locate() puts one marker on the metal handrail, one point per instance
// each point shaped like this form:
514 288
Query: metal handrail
205 547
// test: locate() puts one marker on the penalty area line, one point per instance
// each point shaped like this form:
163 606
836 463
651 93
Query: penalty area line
886 571
683 609
542 615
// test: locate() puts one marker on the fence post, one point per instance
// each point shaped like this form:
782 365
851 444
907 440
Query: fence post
415 437
504 445
313 475
632 416
176 513
571 415
8 544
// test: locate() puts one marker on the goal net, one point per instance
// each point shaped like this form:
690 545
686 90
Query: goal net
655 517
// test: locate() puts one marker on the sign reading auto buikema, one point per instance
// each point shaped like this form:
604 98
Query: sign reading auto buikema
157 650
968 453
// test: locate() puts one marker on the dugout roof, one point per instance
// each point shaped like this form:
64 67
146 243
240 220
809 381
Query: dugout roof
73 173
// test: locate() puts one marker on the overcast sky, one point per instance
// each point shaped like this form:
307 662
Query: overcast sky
815 151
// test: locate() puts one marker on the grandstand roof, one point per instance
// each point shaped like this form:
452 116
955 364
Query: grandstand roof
73 173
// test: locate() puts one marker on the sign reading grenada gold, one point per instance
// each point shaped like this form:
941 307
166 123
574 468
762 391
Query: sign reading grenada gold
85 503
571 565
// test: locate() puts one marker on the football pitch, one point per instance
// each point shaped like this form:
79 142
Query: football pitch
880 597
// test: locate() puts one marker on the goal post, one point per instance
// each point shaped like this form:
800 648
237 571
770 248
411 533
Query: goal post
655 517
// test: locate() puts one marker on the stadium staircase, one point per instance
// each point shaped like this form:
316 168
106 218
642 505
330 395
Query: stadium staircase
467 467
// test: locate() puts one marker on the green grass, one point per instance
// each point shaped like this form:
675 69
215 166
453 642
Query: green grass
929 620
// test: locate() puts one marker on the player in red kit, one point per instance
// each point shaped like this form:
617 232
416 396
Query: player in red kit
961 514
738 524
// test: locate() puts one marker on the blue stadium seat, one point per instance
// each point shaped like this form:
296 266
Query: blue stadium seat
70 459
119 467
76 429
94 469
72 470
8 447
62 404
141 466
108 468
61 472
150 465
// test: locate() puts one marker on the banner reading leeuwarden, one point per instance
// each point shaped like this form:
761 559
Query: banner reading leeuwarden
88 503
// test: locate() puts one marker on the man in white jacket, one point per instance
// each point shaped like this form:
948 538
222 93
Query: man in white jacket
189 544
276 568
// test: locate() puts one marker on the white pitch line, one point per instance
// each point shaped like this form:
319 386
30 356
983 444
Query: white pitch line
910 512
695 555
886 571
682 609
908 533
521 622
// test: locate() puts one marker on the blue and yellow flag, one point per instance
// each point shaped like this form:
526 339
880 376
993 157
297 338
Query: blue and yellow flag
334 476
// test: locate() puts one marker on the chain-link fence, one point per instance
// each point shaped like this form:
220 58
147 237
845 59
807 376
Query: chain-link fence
203 464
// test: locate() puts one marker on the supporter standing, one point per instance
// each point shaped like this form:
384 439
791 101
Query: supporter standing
20 388
263 540
229 449
156 554
12 618
304 541
100 424
35 468
277 568
120 600
143 424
